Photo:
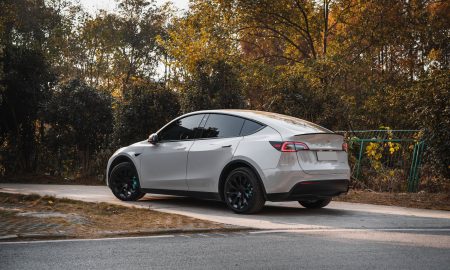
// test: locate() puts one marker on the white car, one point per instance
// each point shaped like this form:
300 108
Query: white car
241 157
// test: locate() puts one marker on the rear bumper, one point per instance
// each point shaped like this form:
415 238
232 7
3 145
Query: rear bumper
310 190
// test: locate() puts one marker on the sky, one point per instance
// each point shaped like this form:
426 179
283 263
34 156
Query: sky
94 5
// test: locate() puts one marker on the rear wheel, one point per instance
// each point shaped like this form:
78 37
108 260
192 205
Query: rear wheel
314 204
124 182
242 191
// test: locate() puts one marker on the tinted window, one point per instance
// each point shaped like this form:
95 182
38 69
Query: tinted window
182 129
222 126
250 127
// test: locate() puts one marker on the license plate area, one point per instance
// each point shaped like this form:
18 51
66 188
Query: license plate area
327 156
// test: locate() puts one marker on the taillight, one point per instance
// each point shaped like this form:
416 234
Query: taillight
345 147
289 146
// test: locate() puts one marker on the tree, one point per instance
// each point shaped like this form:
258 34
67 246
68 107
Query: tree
147 108
26 84
112 48
212 86
428 101
80 119
26 78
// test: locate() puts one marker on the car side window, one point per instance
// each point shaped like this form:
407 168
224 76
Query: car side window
222 126
182 129
250 127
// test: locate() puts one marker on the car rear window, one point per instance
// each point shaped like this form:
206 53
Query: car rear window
250 127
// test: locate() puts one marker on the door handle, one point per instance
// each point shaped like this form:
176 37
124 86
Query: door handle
225 146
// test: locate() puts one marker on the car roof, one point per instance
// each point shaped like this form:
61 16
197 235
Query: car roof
280 122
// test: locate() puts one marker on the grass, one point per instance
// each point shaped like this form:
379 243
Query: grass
21 215
52 179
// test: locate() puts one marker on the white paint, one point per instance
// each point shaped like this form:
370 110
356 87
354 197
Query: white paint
350 230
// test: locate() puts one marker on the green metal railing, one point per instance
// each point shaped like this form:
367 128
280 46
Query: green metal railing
407 158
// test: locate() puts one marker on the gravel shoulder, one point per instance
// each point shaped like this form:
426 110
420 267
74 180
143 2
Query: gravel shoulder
32 217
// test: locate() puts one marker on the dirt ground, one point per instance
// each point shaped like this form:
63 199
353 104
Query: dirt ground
36 217
436 201
52 179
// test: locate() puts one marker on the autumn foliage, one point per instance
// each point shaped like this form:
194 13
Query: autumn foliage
344 64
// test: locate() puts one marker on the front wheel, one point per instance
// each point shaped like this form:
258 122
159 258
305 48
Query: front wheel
242 192
314 204
124 182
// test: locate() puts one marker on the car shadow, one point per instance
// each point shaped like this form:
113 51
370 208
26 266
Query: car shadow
290 215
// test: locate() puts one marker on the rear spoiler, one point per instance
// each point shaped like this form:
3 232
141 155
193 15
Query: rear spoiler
320 133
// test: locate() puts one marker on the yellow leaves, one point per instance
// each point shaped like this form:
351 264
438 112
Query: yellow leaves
375 151
374 154
371 150
435 54
393 147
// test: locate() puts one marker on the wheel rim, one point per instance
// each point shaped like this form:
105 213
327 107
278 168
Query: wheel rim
239 191
125 182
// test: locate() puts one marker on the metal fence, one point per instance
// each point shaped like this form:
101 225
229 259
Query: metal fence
393 155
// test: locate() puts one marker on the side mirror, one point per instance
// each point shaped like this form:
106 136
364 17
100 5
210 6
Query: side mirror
153 139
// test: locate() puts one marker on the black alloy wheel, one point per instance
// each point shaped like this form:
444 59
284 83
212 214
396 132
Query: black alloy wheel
242 192
124 182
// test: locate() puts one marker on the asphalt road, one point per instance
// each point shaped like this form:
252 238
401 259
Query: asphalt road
228 251
342 235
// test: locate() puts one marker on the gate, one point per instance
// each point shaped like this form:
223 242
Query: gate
373 153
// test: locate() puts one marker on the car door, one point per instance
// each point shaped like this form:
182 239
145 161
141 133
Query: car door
163 165
212 151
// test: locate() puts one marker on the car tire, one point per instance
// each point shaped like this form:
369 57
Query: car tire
315 204
242 191
124 182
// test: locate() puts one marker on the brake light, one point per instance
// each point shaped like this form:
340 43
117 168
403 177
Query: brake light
289 146
345 147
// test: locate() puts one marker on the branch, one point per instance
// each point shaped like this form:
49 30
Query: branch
305 17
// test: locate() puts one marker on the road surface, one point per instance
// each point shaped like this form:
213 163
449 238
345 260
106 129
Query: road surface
343 235
226 251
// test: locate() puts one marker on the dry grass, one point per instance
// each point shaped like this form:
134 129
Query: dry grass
86 220
423 200
51 179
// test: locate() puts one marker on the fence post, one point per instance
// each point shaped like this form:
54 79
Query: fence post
359 159
417 169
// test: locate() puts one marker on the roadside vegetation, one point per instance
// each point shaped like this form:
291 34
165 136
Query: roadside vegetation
36 217
423 200
75 86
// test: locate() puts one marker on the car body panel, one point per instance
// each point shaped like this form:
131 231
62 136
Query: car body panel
206 160
196 165
163 165
322 144
130 152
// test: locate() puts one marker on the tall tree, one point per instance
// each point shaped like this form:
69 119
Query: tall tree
26 78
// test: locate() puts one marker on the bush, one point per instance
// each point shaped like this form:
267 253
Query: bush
79 121
430 107
147 107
